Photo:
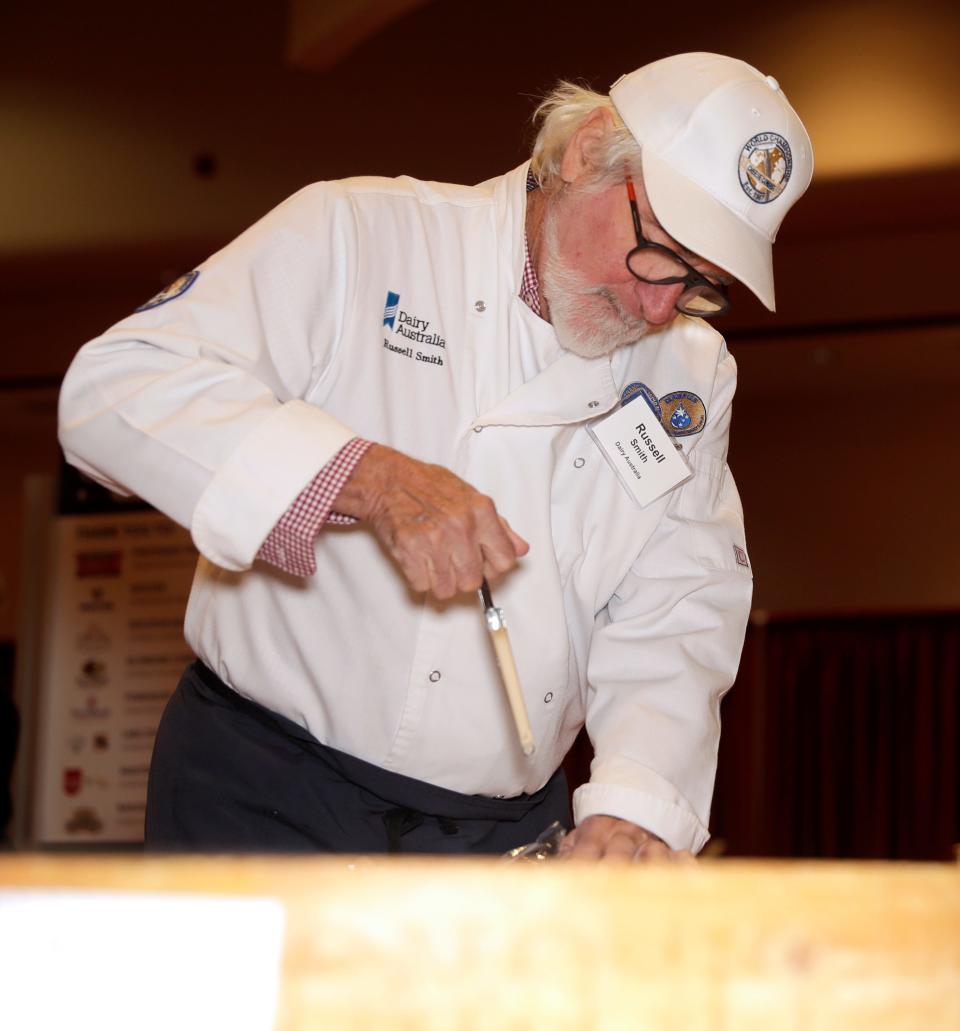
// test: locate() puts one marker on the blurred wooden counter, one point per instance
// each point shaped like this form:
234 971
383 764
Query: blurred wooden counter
469 944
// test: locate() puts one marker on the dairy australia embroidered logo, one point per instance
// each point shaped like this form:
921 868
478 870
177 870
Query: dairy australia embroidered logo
390 308
415 331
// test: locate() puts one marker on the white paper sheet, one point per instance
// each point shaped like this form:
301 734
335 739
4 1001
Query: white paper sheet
112 961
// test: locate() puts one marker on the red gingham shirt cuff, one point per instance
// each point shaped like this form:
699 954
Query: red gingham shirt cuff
290 544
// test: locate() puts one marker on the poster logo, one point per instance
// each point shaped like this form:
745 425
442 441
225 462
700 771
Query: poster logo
99 563
72 780
84 819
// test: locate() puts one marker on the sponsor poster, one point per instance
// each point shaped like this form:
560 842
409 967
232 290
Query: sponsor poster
112 653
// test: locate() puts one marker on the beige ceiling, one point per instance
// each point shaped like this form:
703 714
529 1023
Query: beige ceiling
321 32
877 83
105 108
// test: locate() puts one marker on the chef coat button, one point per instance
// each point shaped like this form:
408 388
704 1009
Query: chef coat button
548 697
772 83
593 404
434 676
480 305
578 463
477 429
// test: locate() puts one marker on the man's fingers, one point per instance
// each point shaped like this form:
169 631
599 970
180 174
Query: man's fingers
442 557
425 564
590 839
442 576
445 535
610 839
658 852
416 571
652 851
480 544
581 847
620 848
468 565
501 548
520 546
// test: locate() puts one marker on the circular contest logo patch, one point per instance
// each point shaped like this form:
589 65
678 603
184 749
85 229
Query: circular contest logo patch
765 167
176 289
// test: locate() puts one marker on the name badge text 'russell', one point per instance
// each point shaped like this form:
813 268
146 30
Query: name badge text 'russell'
640 452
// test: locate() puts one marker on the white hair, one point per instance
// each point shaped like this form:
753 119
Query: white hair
560 114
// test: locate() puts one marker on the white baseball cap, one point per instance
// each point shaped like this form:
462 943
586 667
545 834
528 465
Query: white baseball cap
724 158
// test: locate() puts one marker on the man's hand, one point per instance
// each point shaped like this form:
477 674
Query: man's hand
611 839
444 535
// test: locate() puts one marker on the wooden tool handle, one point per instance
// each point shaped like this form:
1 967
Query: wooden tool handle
508 671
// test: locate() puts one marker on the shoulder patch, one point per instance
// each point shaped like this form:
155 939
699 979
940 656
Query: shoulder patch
637 389
176 289
683 413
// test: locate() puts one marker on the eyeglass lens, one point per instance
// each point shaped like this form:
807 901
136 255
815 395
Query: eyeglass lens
654 264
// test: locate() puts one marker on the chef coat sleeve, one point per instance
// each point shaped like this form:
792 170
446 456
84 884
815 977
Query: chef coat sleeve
197 403
666 648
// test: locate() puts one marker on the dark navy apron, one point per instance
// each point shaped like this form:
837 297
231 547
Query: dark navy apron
230 775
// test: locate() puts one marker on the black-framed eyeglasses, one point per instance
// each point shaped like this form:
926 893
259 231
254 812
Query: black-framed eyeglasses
658 265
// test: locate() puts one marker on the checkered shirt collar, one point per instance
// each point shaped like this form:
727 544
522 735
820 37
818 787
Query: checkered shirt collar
530 283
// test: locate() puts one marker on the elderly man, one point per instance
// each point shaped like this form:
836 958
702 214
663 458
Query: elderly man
388 390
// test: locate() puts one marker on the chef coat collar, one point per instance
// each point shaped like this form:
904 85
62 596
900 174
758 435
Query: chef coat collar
569 388
572 389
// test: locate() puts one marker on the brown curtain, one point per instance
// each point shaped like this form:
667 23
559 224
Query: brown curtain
840 740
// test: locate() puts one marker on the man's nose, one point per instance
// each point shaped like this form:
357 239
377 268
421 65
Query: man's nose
658 303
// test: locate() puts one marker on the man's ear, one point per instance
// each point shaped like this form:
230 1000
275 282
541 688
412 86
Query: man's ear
577 158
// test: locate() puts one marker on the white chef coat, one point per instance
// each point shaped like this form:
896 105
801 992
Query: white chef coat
390 309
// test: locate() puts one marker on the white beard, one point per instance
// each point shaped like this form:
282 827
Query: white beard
589 320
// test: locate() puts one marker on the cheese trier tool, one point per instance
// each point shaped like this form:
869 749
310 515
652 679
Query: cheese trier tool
508 668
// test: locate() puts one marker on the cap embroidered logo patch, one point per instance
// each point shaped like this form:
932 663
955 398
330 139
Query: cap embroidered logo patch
765 167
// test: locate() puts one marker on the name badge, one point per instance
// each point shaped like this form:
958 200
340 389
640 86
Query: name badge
640 452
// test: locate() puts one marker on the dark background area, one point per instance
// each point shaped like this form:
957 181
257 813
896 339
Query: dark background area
137 141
